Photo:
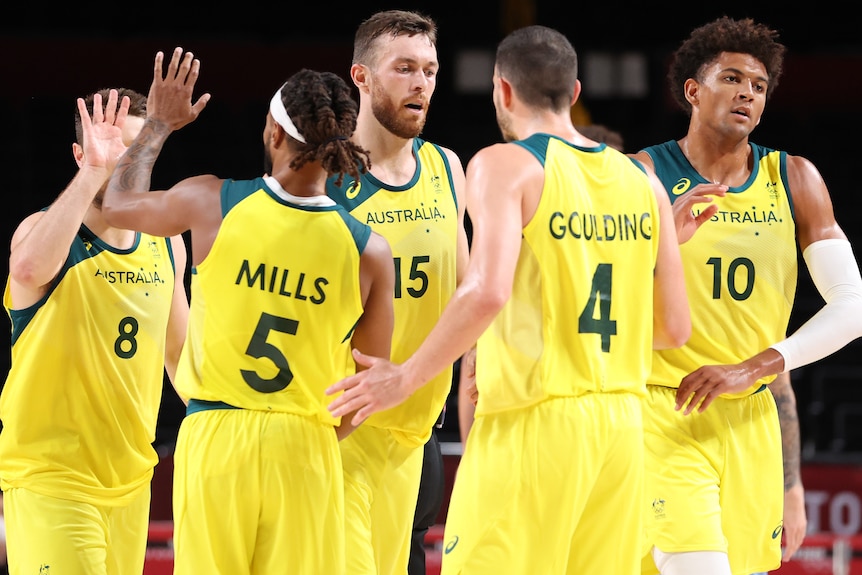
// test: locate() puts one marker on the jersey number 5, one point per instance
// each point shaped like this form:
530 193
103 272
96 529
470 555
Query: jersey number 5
258 347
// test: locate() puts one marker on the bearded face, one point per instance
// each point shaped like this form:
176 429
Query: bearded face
400 119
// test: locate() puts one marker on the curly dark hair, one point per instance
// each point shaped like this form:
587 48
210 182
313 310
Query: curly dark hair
321 107
704 44
137 107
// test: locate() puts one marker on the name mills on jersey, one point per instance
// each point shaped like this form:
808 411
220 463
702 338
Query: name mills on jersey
282 282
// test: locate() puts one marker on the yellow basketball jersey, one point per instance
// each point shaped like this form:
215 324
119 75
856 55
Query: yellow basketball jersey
580 316
274 304
740 267
420 221
80 403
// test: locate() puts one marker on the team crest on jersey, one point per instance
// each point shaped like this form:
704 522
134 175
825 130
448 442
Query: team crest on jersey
772 190
436 184
681 186
353 190
154 249
658 507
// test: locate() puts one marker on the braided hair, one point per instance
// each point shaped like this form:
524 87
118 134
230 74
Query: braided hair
321 107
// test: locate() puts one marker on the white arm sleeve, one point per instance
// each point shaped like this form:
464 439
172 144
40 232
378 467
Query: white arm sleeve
835 273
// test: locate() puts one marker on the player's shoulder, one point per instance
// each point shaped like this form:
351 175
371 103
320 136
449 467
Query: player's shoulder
643 158
451 156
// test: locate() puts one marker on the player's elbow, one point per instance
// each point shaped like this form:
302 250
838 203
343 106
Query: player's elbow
851 300
671 331
490 299
30 272
22 271
484 296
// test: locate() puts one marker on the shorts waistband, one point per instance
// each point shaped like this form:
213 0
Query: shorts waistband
196 405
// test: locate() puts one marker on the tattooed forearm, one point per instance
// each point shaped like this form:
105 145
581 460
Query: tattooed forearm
134 172
785 399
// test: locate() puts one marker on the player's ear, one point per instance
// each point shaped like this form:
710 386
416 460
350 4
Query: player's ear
691 89
576 93
78 153
359 75
506 91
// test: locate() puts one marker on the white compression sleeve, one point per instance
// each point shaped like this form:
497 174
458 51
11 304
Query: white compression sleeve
835 273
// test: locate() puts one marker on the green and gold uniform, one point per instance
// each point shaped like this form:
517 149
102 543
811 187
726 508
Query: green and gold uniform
740 271
80 404
552 471
258 476
383 458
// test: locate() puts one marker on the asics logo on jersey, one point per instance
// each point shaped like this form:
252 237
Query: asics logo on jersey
353 190
451 545
681 186
777 532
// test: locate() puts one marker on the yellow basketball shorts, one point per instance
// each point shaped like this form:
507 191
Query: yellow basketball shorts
47 534
551 488
381 484
259 489
715 480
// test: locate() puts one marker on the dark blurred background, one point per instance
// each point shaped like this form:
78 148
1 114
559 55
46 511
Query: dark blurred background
50 56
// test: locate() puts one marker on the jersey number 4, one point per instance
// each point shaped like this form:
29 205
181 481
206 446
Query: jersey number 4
600 301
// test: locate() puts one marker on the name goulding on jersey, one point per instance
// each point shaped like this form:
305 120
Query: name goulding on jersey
601 228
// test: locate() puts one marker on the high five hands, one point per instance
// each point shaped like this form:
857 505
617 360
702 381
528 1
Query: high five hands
169 103
103 133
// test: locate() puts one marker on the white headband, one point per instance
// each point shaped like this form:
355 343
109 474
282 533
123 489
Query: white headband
279 114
